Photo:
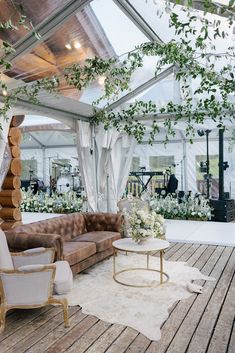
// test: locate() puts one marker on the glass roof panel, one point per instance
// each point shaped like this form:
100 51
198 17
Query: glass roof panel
116 26
140 76
32 120
161 93
34 11
158 18
88 33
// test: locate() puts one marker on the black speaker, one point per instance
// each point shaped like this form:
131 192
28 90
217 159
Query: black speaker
223 210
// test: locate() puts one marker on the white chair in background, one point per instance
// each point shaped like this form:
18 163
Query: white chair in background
129 203
29 279
126 206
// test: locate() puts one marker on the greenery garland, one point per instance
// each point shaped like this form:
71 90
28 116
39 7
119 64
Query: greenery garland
190 62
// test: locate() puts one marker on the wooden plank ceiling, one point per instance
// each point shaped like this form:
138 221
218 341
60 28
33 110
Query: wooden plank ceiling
82 31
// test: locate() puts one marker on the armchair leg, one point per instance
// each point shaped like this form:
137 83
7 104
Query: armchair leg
3 312
65 312
64 303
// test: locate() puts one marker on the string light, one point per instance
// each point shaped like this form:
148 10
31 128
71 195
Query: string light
4 92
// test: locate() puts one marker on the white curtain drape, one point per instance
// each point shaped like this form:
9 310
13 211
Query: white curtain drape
5 153
104 159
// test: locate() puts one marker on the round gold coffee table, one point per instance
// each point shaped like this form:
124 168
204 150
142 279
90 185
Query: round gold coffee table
149 247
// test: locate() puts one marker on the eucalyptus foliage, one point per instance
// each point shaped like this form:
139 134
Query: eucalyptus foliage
191 59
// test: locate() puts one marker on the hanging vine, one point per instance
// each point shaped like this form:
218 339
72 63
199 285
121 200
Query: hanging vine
211 98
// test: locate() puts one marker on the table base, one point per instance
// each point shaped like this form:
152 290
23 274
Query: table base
147 268
140 269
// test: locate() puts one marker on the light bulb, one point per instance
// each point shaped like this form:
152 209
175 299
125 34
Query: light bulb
4 92
77 45
68 46
101 80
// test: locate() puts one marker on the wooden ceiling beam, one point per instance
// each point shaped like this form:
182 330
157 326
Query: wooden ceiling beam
46 28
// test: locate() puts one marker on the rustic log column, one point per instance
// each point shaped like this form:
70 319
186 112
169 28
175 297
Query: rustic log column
10 196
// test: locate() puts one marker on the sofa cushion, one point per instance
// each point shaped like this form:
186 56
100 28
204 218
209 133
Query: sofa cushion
75 252
68 226
79 224
102 239
110 222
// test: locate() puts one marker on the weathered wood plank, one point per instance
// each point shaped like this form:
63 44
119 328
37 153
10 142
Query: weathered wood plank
200 324
74 334
19 318
23 332
106 339
182 308
139 345
199 258
186 256
86 341
232 341
173 250
180 252
221 335
188 326
123 341
200 251
33 333
57 332
205 328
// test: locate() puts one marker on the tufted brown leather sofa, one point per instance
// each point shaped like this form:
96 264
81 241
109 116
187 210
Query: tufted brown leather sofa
80 238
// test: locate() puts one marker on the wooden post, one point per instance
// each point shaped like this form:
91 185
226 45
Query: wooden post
10 196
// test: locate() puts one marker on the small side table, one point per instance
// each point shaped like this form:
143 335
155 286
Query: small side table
149 247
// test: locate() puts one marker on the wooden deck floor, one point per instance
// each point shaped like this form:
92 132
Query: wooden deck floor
199 324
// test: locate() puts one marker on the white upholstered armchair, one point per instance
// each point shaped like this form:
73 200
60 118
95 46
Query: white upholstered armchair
29 279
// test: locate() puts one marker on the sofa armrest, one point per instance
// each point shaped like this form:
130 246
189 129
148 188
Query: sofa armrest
23 241
112 222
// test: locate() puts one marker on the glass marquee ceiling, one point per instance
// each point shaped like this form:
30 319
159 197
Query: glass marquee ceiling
89 32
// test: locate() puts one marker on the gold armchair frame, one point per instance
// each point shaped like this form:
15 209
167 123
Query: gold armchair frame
4 306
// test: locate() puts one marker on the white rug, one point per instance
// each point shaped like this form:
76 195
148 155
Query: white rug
144 309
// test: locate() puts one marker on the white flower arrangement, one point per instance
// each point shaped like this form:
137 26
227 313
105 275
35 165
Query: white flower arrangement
41 202
141 224
191 207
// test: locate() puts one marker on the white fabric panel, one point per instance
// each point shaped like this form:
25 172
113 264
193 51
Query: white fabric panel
5 256
34 250
4 152
59 153
105 158
26 289
27 154
63 278
229 174
50 154
197 148
30 268
44 258
119 168
171 149
86 155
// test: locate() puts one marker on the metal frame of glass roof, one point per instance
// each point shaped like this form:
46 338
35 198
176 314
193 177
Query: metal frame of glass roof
65 107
